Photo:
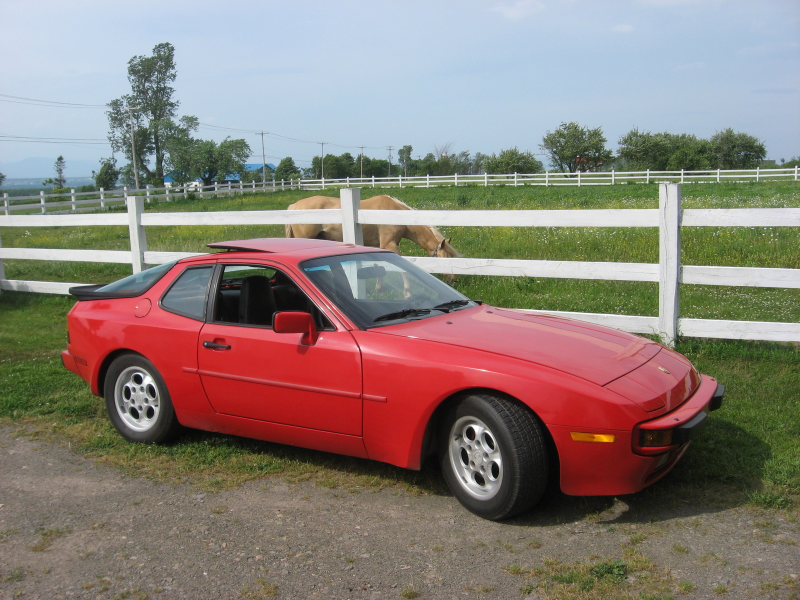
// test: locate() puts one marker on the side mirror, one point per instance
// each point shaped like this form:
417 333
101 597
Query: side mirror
296 322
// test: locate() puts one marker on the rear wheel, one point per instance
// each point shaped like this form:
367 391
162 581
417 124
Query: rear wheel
137 400
493 456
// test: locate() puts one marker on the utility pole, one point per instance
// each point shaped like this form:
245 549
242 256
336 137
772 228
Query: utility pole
133 147
362 161
263 162
390 148
322 157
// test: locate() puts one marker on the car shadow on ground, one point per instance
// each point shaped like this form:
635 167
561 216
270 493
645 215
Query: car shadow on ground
720 470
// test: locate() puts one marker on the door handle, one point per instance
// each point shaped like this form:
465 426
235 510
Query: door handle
215 346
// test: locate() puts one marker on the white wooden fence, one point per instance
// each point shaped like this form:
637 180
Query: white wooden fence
550 178
668 272
72 202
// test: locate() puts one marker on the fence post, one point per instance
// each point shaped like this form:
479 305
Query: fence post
400 180
682 174
166 194
5 203
795 172
669 261
456 179
2 268
758 174
515 179
373 181
613 177
579 178
718 171
136 232
427 180
102 198
72 199
351 228
41 198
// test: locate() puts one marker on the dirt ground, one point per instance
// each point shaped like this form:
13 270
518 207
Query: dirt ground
71 528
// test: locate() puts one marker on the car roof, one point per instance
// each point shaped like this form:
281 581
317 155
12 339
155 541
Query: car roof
295 249
277 244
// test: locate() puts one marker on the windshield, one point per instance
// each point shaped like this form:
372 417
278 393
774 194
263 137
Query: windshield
382 288
138 283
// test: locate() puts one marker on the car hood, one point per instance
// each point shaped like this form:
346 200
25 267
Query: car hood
592 352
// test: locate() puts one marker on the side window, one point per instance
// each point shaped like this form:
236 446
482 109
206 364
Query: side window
251 295
187 296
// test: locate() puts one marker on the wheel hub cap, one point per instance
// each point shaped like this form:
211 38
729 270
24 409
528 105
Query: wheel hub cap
476 457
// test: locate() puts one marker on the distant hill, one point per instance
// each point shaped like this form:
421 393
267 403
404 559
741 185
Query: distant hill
35 183
41 168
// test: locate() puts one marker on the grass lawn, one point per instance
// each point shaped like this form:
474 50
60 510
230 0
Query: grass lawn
749 453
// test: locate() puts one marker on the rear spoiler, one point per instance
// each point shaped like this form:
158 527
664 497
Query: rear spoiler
89 292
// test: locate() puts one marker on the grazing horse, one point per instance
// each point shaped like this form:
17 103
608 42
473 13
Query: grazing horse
377 236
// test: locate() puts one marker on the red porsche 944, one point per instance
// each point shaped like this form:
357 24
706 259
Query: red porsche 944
354 350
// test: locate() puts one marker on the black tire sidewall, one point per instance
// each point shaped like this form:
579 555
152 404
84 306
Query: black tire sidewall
165 421
501 505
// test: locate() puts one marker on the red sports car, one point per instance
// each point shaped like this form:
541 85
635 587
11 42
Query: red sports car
355 350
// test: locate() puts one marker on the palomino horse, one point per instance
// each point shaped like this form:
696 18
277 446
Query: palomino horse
377 236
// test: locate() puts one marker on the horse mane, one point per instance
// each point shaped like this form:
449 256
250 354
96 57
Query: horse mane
436 233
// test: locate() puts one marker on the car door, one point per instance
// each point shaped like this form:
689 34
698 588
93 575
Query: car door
250 371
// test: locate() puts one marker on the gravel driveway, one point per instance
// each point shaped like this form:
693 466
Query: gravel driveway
71 528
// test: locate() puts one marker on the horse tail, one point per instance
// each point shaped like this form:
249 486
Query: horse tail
288 229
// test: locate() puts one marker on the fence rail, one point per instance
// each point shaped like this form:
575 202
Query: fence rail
669 273
91 201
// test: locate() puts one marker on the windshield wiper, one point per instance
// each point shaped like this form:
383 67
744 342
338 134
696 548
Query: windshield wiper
446 306
403 313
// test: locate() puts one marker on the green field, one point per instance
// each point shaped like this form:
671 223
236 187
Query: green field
749 453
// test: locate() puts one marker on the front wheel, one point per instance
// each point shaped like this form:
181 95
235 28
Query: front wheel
493 456
137 400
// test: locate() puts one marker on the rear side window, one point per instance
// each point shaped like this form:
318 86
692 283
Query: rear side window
137 284
187 296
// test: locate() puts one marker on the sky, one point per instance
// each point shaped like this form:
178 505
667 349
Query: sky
481 75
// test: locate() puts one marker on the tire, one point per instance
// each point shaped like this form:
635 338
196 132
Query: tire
493 456
138 402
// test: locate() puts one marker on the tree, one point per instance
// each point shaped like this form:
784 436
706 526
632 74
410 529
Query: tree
152 110
404 158
737 150
216 162
108 175
573 148
287 169
663 151
512 160
59 181
2 178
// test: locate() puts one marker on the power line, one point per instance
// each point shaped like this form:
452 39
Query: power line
53 103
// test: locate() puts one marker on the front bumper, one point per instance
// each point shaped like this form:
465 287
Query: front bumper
624 467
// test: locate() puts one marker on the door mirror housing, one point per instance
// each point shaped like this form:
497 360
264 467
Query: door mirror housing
291 321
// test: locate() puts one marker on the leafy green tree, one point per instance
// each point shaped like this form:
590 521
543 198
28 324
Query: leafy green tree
59 181
2 178
216 162
404 157
663 151
572 148
737 150
511 160
287 170
251 175
152 109
108 175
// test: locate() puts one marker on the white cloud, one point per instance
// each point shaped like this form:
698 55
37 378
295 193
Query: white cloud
622 28
519 9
